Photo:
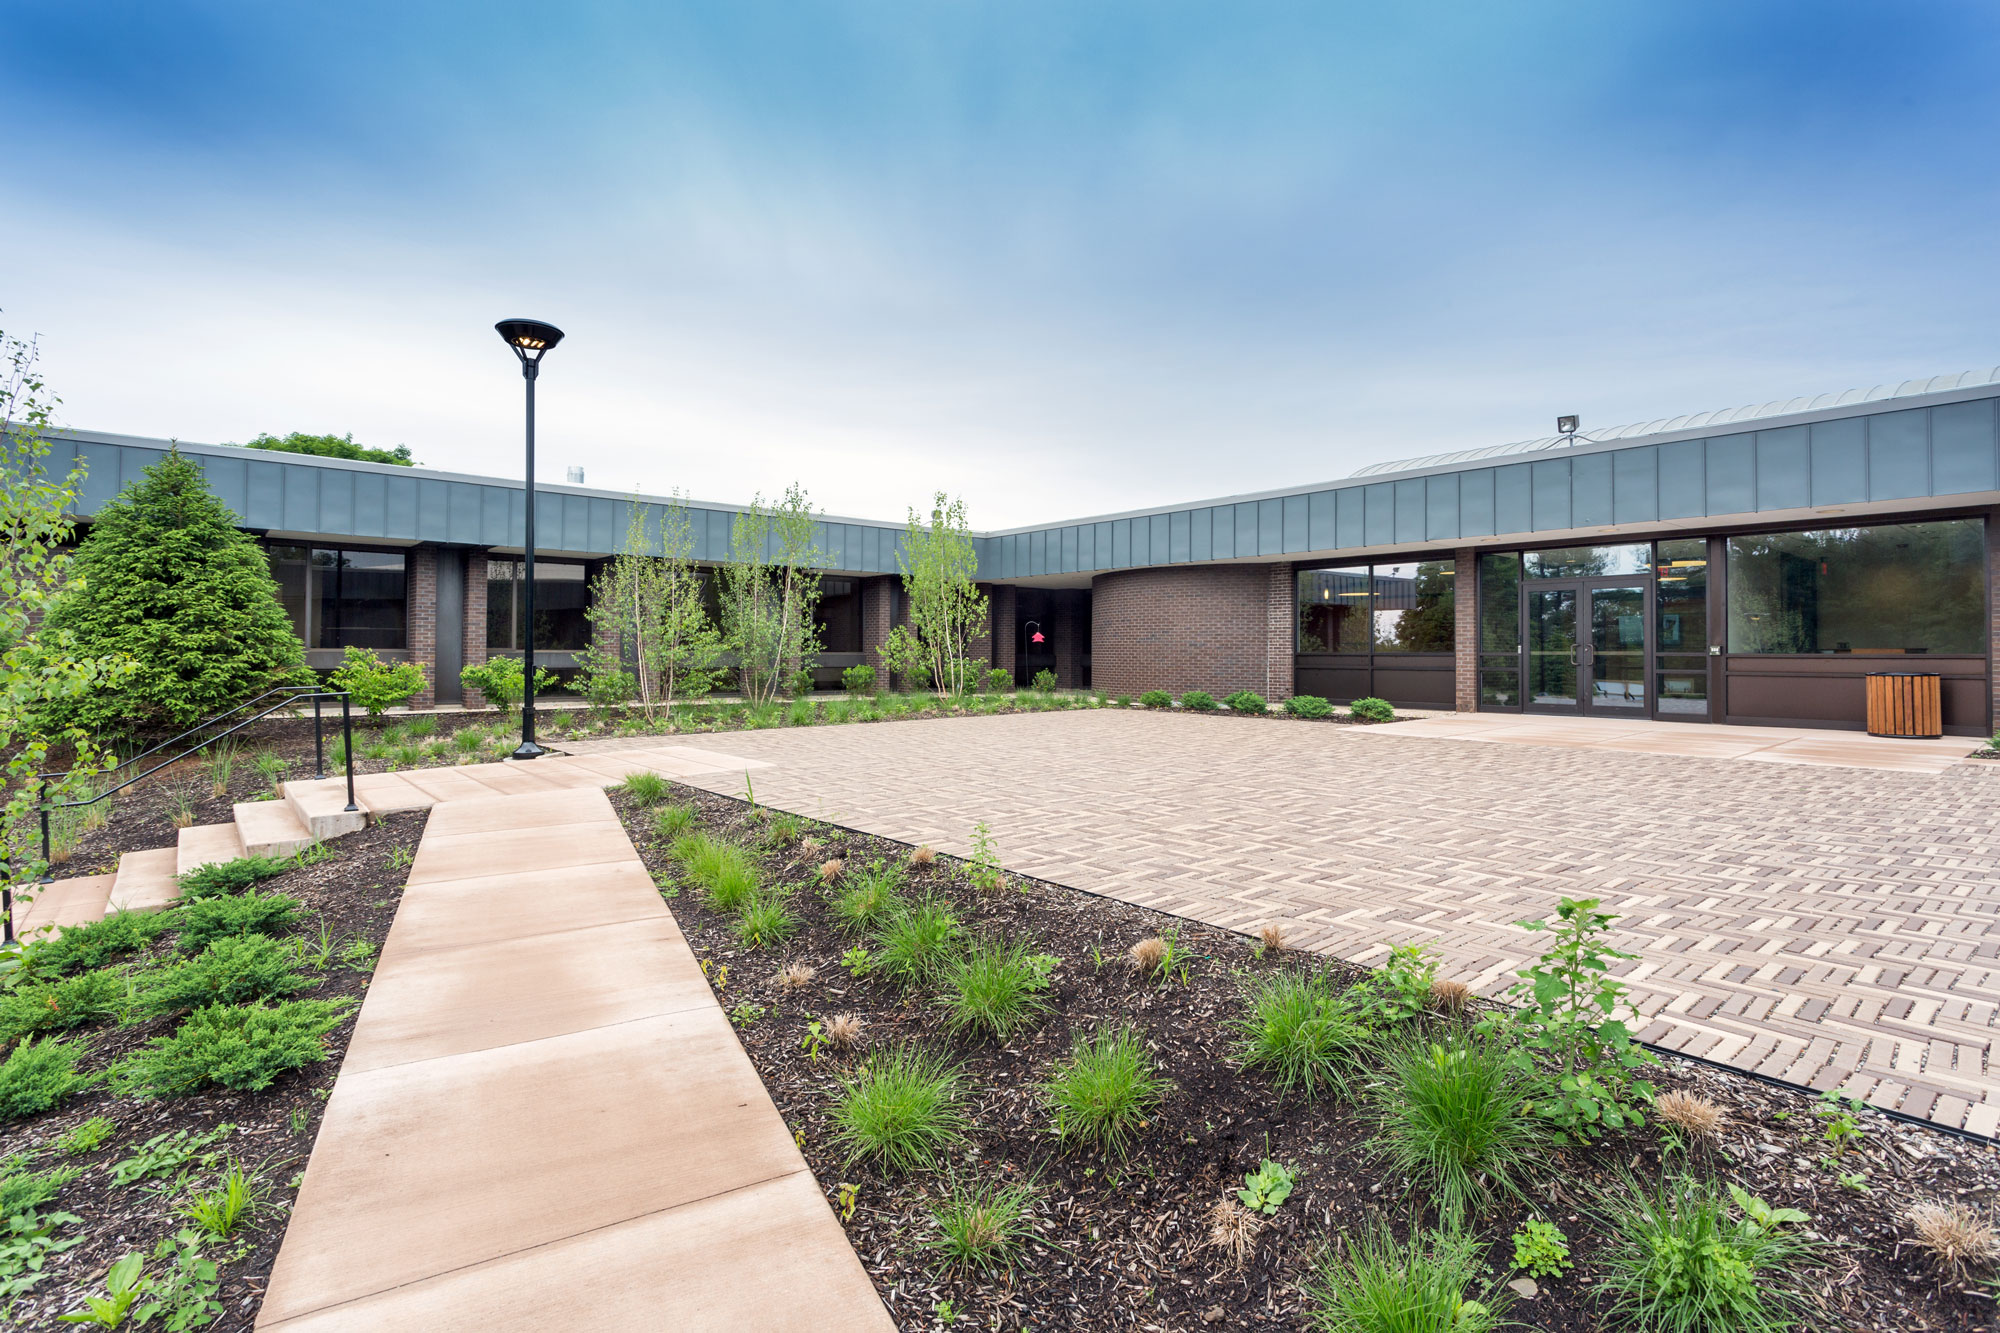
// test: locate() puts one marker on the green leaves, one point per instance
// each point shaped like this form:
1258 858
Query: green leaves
1266 1188
377 685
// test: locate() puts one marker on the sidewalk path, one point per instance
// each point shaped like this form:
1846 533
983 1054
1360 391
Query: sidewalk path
545 1120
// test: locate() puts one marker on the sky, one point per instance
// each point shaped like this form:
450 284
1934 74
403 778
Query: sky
1061 257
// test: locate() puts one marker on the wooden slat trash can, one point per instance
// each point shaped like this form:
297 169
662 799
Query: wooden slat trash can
1905 704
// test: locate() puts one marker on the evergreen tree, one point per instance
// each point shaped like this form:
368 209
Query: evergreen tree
169 584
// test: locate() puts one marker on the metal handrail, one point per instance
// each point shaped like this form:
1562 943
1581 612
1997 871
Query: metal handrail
293 697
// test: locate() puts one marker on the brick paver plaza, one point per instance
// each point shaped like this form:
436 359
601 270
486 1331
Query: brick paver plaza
1831 926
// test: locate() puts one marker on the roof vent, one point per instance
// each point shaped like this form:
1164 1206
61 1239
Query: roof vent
576 476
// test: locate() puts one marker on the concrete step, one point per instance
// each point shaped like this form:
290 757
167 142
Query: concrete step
321 805
271 828
206 844
145 881
67 902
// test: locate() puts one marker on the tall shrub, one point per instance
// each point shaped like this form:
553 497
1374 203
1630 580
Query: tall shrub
769 589
169 583
648 614
947 610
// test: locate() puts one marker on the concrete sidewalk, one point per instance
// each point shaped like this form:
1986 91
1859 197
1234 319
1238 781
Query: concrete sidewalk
546 1121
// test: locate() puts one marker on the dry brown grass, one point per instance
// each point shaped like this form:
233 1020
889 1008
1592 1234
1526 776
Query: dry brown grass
829 871
1690 1113
1272 937
923 856
843 1032
1449 995
1233 1229
1956 1237
1147 955
797 976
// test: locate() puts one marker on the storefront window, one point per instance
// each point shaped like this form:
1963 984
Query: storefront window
1500 630
562 601
1895 589
340 598
1585 562
1333 610
1414 608
1680 600
838 616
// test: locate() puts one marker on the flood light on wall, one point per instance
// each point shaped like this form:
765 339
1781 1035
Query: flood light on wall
1564 425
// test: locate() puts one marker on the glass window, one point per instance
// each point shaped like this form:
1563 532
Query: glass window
838 616
1898 588
290 566
1680 571
562 601
1333 610
1500 602
361 599
501 577
1500 682
1414 608
1583 562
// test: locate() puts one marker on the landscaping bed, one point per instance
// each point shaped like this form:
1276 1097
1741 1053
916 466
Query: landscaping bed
1127 1240
347 891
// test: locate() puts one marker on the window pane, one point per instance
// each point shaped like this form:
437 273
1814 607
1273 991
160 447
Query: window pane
838 615
1681 596
1500 603
361 599
1414 608
1333 610
502 579
1900 588
1683 684
561 597
290 567
1572 562
1500 682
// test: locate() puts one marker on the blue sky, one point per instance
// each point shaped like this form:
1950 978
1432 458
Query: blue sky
1063 258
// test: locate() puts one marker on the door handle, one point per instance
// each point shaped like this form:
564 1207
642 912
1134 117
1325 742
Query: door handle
1572 657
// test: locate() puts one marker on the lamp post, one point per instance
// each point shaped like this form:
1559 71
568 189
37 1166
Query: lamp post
531 340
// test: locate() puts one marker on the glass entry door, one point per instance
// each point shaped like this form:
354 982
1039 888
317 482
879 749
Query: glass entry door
1587 645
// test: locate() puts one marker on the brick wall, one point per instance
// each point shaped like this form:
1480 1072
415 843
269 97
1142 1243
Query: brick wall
475 620
1465 629
1005 627
1281 613
877 599
981 645
1191 627
420 618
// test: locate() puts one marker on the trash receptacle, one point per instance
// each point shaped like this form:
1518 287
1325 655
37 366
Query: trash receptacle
1905 704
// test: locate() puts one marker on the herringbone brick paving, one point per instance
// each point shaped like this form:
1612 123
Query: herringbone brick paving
1831 926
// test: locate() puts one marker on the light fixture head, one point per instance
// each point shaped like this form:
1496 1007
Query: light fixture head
1564 425
530 338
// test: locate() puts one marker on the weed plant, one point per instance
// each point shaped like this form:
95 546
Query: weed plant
983 1227
89 1136
1377 1284
903 1108
210 919
1105 1090
244 1047
997 988
917 945
1308 1039
1450 1116
1678 1263
23 1190
39 1075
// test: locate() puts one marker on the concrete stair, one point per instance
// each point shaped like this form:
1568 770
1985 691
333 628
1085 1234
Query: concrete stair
66 902
271 828
321 806
206 845
145 881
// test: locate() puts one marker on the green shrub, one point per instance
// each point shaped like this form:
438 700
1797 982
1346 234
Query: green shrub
1309 706
902 1108
673 821
1307 1037
1200 701
239 1046
38 1076
997 988
374 684
1246 701
1045 682
1678 1264
648 789
917 945
220 878
604 683
1371 710
765 919
503 681
1105 1090
57 1006
872 895
234 969
999 680
1450 1117
1375 1284
858 680
204 922
94 943
1156 699
983 1227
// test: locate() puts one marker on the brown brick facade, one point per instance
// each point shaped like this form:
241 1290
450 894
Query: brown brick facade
475 620
1465 629
1192 627
1005 626
420 618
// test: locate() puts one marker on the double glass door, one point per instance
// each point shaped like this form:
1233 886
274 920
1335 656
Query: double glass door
1587 645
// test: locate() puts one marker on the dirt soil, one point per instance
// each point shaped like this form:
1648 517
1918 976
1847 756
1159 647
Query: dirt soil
354 894
1124 1244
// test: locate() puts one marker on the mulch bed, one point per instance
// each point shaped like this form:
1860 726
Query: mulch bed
1124 1244
355 892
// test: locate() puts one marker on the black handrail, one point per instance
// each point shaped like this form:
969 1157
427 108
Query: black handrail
293 697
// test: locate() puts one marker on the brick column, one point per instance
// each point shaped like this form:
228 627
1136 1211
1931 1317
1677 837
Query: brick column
474 646
981 644
878 597
1281 617
1465 629
420 591
1004 626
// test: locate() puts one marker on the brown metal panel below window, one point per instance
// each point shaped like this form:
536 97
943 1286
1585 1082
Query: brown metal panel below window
1830 690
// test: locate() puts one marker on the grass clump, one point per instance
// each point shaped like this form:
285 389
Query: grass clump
918 944
766 919
1306 1037
673 821
647 789
232 970
1450 1116
38 1076
57 1006
902 1108
94 943
724 871
220 879
983 1227
240 1046
997 988
202 923
1376 1284
873 895
1679 1264
1104 1092
1957 1238
221 1210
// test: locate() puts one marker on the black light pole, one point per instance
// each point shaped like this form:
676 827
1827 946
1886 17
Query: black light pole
531 341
